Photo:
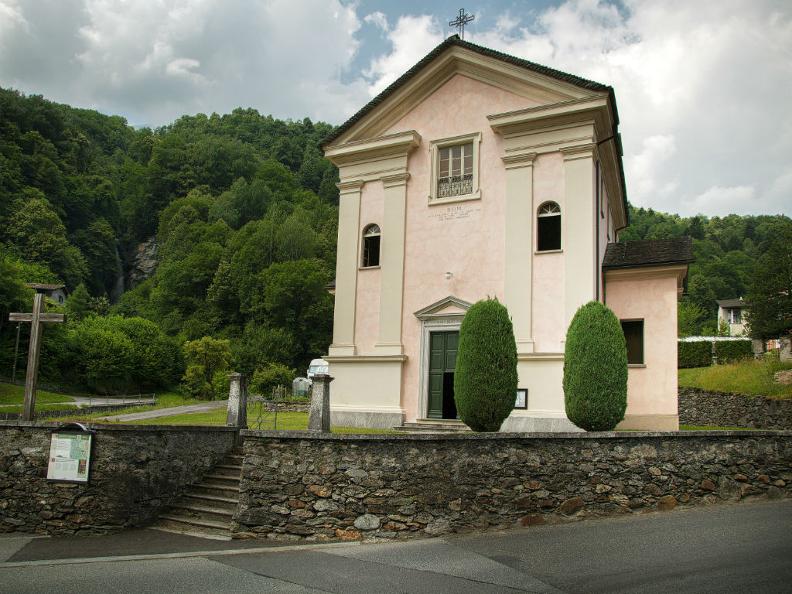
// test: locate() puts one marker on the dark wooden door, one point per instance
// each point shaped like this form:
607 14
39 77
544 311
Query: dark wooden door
442 361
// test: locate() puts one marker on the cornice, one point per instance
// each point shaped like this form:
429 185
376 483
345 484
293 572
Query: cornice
390 145
518 160
395 180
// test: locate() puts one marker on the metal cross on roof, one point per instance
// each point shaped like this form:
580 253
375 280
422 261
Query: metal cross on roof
460 22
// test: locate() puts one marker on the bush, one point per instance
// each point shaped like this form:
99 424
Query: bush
272 376
485 378
205 358
694 354
733 350
595 369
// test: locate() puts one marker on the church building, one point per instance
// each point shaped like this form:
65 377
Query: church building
477 174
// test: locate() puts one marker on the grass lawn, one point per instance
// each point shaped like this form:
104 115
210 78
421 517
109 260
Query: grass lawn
13 394
747 377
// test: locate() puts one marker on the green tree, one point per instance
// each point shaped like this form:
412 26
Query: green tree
204 359
272 376
78 304
770 292
689 318
595 369
485 378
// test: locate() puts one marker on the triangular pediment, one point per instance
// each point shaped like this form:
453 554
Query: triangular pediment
538 85
448 307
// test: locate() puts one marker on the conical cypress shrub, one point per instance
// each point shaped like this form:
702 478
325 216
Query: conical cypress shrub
485 377
595 369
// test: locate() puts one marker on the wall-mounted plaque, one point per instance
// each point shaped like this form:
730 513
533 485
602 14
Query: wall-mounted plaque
522 398
70 456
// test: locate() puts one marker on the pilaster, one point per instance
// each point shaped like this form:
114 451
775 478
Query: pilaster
578 225
519 247
392 261
346 268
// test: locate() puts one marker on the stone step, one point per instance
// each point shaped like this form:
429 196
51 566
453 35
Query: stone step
230 491
227 470
208 513
223 505
212 498
235 459
444 426
221 480
201 529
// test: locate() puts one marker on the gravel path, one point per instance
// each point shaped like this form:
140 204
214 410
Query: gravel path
167 412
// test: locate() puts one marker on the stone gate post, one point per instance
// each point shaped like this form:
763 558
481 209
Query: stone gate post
237 401
319 415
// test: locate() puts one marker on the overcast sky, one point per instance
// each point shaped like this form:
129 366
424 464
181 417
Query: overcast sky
704 88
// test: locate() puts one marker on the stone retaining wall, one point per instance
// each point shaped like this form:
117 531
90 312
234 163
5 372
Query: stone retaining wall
698 407
135 472
298 485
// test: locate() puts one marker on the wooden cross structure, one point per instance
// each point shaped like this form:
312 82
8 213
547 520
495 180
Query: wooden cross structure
460 22
37 318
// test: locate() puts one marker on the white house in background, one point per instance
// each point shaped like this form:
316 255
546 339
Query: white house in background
477 174
733 313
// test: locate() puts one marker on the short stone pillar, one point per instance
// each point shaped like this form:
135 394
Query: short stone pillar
319 415
237 401
785 353
758 348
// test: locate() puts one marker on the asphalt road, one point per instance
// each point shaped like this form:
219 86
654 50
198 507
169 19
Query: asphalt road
730 548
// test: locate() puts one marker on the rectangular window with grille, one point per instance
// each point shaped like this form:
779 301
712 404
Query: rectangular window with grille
455 170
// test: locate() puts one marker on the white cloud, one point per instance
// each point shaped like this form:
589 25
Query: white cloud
411 39
722 201
156 60
703 88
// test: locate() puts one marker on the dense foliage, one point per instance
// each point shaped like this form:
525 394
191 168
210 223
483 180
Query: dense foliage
770 289
726 249
485 378
243 208
595 369
694 354
730 351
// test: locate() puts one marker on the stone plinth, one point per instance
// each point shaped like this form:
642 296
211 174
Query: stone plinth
319 414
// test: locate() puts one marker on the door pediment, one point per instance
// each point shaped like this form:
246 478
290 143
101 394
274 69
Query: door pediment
447 307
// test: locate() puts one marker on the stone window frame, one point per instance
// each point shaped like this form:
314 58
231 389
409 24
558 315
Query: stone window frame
539 215
370 231
434 159
642 321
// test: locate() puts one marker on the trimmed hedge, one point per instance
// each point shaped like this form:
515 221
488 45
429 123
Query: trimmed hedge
733 350
485 376
595 369
694 354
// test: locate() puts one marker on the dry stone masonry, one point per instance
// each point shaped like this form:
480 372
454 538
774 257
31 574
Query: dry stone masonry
320 487
135 472
697 407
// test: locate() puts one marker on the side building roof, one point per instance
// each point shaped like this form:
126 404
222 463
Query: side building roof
649 252
732 303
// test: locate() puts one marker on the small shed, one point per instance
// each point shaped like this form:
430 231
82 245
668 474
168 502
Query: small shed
301 386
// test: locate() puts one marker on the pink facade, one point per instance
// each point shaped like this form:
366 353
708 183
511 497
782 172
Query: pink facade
535 140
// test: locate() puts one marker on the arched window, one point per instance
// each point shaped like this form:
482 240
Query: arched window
371 246
548 227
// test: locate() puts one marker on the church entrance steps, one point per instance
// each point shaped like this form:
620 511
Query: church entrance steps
434 426
206 508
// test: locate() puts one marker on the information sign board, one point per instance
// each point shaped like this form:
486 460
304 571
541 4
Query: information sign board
70 457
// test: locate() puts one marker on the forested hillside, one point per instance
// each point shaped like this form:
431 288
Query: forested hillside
243 209
727 250
237 217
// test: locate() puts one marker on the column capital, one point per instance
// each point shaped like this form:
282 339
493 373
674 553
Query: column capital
395 180
579 151
518 160
350 187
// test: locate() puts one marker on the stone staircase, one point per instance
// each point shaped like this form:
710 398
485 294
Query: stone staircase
207 507
434 426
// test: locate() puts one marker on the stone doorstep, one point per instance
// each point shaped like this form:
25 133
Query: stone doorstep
433 425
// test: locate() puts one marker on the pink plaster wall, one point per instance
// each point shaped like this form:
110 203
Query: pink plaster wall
464 238
367 306
651 390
